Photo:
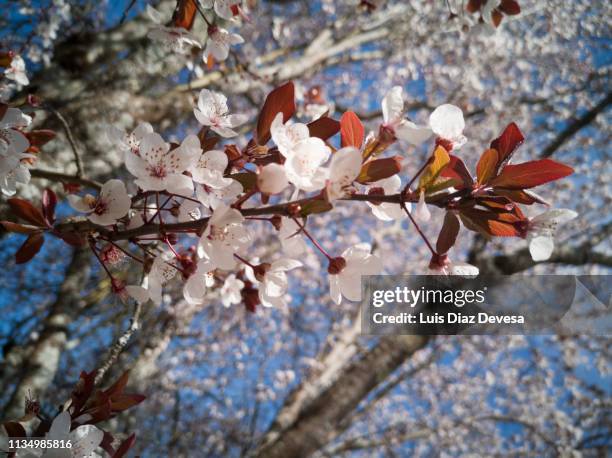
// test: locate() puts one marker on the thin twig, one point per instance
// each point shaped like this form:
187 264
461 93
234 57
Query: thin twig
65 178
75 150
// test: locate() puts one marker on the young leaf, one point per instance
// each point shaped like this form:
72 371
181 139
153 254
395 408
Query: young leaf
184 14
125 446
19 228
521 196
439 160
531 174
351 130
457 170
281 99
379 169
49 201
487 166
323 128
507 143
490 223
317 205
29 248
448 233
40 137
25 210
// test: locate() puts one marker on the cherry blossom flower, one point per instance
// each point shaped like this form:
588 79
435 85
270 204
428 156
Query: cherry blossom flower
286 136
209 169
422 213
446 122
13 141
231 291
212 111
17 71
196 285
223 237
442 265
159 169
303 165
344 168
176 39
393 119
84 439
291 241
129 142
219 42
345 272
112 203
212 198
541 230
272 281
386 211
161 273
13 170
223 8
272 179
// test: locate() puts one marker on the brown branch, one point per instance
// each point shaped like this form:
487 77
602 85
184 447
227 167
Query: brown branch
64 178
577 125
70 137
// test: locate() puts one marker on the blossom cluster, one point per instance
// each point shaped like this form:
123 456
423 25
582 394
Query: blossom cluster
191 202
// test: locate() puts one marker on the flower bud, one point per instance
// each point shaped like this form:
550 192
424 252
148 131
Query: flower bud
272 179
336 265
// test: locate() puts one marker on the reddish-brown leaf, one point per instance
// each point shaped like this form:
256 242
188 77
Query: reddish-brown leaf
29 248
3 106
507 143
509 7
280 100
491 223
316 205
125 401
119 385
456 169
19 228
73 238
520 196
323 128
25 210
248 180
352 131
125 446
14 429
474 5
379 169
40 137
184 14
487 165
49 201
531 174
448 233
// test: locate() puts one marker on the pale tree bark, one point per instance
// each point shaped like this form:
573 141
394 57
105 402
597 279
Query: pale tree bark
320 421
34 365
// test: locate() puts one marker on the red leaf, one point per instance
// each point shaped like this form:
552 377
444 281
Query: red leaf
281 99
14 429
119 385
184 14
510 7
324 127
19 228
3 106
73 238
125 401
25 210
125 446
507 143
530 174
448 233
40 137
456 169
487 165
351 130
29 248
49 201
379 169
492 223
520 196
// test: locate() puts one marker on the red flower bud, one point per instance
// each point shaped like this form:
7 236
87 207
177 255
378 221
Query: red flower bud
336 265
